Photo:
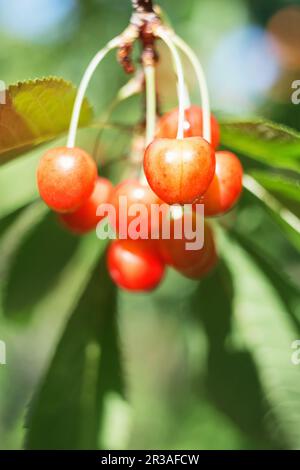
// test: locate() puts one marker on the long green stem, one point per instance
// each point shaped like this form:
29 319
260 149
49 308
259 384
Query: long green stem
165 36
150 103
149 71
186 49
84 85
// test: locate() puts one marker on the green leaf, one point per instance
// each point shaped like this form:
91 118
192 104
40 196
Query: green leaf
267 331
204 427
231 372
33 267
287 190
35 112
287 221
286 288
13 238
180 414
265 141
153 336
290 226
67 409
18 184
34 344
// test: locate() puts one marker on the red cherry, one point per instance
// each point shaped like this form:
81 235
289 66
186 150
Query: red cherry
226 187
135 265
191 263
133 192
193 126
85 218
66 178
179 171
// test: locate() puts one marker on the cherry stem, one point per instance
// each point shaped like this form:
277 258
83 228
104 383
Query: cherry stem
187 98
142 6
83 87
188 51
260 193
165 36
149 71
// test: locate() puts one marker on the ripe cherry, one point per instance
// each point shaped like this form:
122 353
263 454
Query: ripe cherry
193 126
191 263
135 265
85 218
179 171
226 186
66 178
133 192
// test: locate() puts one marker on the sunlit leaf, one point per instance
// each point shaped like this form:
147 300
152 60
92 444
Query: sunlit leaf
265 141
36 111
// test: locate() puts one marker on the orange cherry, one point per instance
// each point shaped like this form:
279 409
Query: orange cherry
179 171
125 198
193 126
66 178
85 218
177 253
135 265
226 186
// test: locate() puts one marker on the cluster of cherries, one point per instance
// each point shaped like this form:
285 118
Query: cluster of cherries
179 171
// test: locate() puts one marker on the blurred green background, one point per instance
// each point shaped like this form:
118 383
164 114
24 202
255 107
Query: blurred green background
190 380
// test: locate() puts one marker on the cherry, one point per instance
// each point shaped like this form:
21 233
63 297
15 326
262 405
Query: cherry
191 263
85 218
179 171
226 187
206 260
193 127
135 265
66 178
133 192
